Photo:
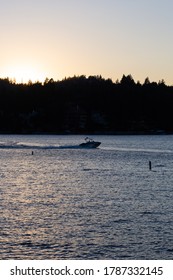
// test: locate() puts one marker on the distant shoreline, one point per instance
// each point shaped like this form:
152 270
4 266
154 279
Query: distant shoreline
81 105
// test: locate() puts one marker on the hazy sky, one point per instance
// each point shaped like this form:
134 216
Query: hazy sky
58 38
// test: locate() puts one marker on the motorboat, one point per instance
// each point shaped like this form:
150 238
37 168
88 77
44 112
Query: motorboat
89 143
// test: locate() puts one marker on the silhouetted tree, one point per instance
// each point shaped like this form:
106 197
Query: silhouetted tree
127 80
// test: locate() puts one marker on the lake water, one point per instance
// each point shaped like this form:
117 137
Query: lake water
70 203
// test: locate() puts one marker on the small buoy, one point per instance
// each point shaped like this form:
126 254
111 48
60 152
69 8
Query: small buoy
149 165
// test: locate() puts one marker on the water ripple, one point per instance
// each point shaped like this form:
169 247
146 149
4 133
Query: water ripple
83 204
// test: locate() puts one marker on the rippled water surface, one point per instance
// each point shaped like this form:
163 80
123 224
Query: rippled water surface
70 203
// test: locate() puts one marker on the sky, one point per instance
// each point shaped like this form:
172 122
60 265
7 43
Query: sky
63 38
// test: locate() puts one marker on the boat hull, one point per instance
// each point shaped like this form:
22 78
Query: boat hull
90 145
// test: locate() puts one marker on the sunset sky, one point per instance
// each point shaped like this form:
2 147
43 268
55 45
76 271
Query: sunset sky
62 38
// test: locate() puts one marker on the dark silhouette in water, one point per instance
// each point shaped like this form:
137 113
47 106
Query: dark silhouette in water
86 105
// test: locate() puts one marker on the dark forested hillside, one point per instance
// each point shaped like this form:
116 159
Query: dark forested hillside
86 105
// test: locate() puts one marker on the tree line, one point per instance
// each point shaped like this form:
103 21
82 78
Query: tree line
83 104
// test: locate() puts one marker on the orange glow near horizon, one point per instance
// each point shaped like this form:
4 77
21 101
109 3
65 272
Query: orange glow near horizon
24 73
